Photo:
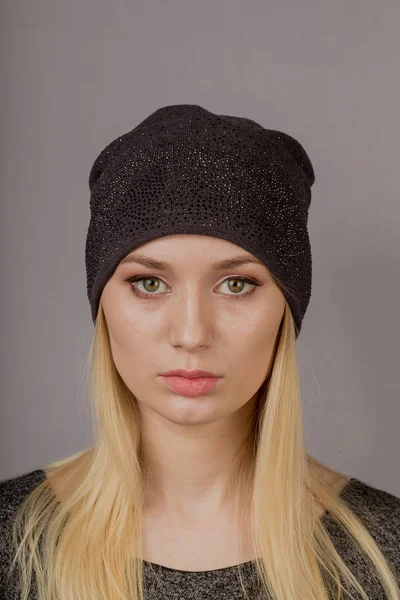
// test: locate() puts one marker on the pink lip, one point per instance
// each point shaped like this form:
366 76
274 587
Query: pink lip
189 374
190 386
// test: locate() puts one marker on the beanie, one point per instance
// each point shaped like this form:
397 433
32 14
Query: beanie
184 169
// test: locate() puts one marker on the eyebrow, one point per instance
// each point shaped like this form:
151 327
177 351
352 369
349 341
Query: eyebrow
152 263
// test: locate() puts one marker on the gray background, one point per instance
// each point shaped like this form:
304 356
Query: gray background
76 74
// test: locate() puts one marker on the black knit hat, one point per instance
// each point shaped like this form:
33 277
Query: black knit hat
185 169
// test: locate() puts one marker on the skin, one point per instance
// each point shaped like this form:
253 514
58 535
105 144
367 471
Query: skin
195 320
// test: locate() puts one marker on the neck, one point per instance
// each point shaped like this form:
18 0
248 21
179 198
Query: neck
193 472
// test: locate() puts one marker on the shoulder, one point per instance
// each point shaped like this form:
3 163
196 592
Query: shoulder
379 511
376 507
13 492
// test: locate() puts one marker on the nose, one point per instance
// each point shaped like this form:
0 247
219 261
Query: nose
191 321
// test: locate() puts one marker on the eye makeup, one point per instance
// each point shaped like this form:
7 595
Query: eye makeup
138 278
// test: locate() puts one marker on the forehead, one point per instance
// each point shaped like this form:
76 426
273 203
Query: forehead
225 263
214 253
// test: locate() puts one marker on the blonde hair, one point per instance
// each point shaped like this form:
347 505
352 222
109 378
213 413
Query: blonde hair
86 542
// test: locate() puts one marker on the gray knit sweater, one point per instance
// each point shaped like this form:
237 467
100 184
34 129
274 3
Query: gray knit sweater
383 524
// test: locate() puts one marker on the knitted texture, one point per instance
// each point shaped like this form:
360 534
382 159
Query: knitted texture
187 170
382 520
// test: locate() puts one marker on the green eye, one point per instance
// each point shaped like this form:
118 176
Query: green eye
152 284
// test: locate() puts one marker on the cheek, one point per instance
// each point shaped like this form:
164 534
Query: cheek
254 351
260 329
129 348
252 356
136 347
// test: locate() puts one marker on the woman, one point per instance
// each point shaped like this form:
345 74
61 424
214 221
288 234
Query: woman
197 485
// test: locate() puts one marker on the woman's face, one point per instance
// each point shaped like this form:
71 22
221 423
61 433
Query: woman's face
190 315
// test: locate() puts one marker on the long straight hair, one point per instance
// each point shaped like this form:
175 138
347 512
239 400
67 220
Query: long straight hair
86 541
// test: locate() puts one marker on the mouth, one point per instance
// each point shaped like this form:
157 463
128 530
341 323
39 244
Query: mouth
190 386
197 373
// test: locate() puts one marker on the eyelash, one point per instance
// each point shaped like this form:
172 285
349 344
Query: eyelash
137 278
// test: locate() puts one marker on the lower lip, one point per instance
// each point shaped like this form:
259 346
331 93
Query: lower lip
190 387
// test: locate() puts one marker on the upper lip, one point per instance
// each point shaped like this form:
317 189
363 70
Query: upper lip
189 374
